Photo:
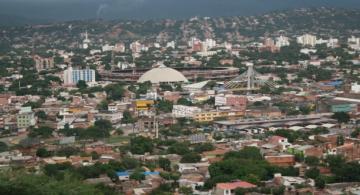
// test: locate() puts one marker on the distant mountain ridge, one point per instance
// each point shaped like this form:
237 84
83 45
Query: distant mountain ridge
24 11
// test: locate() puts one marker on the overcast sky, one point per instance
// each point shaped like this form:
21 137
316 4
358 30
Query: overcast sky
149 9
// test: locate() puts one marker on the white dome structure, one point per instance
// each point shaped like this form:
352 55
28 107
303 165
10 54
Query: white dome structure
162 74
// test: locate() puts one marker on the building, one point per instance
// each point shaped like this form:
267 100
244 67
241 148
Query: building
282 41
307 40
113 117
73 76
281 160
212 115
123 176
119 47
107 47
179 111
143 107
236 101
25 118
229 188
163 74
355 88
43 63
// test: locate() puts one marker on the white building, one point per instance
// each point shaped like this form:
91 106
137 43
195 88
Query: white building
355 88
282 41
170 44
332 43
354 43
72 76
113 116
136 47
184 111
354 40
307 39
210 43
25 118
308 51
108 47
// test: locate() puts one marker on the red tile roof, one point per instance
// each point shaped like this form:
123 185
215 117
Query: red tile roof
234 185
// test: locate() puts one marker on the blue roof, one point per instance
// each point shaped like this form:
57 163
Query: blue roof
151 173
122 173
333 83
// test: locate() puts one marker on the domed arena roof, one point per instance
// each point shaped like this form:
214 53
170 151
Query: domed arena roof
162 74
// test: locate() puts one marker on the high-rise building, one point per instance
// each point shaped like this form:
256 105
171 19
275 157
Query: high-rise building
282 41
43 63
136 47
25 118
307 39
73 76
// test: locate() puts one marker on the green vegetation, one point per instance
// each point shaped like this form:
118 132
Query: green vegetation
23 183
247 165
141 145
341 117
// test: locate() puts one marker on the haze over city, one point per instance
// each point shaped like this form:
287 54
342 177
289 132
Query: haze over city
55 10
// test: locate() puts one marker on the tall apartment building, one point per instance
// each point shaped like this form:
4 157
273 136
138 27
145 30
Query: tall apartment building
25 118
282 41
73 76
307 39
43 63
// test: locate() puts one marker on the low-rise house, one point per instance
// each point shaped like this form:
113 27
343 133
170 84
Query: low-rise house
281 160
290 182
282 142
230 187
123 175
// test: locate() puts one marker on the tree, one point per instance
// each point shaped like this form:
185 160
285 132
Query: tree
320 182
112 175
42 152
341 117
137 175
312 173
165 106
184 101
127 118
186 190
355 133
312 160
115 91
103 105
67 151
41 114
245 153
130 163
191 157
94 155
43 132
103 125
165 164
81 85
18 182
141 145
178 148
203 147
3 147
340 140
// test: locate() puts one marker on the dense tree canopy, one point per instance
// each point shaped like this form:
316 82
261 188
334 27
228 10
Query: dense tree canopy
141 145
